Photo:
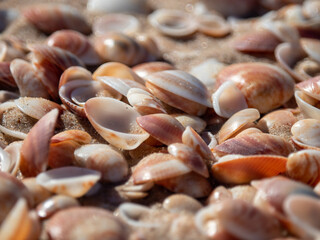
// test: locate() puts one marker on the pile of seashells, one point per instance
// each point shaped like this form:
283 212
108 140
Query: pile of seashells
102 137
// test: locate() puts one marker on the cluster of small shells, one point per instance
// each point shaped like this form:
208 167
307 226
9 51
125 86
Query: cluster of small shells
233 150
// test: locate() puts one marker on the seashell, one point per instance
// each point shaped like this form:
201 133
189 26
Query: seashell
243 192
11 164
144 102
180 90
305 104
304 166
11 191
134 6
173 23
287 56
63 145
144 69
306 131
148 42
213 25
303 211
236 123
162 127
219 194
311 87
115 121
177 203
36 107
19 223
30 85
189 157
76 43
118 47
262 41
307 68
255 143
274 5
35 148
6 78
190 184
158 166
52 17
6 163
74 73
37 192
71 181
273 88
192 121
230 218
133 191
235 169
54 204
7 95
86 222
247 131
311 47
228 99
118 22
238 9
9 52
102 158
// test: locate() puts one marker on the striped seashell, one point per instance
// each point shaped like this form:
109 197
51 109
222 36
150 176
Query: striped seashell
180 90
306 131
52 17
6 79
76 43
144 69
237 169
115 121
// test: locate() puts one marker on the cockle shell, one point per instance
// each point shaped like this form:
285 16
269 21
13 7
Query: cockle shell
180 90
255 143
6 78
144 69
35 148
174 23
115 121
306 105
307 131
270 90
235 169
102 158
213 25
100 6
181 202
52 17
70 181
86 222
76 43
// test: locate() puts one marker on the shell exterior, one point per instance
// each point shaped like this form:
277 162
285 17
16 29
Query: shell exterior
37 192
242 169
307 132
181 202
71 181
52 17
307 68
270 90
180 90
115 121
144 69
187 120
306 105
213 25
8 52
11 162
35 148
311 87
311 47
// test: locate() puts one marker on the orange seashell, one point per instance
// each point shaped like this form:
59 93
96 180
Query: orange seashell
242 169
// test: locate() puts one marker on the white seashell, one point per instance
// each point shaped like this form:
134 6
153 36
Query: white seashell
228 100
109 6
306 107
70 181
307 131
13 149
115 121
6 163
174 23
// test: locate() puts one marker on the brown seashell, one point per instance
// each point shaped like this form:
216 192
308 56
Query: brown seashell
70 181
256 143
162 127
76 43
157 167
270 90
180 90
307 68
243 192
86 222
177 203
144 69
6 79
262 41
190 184
37 192
235 169
53 17
213 25
118 47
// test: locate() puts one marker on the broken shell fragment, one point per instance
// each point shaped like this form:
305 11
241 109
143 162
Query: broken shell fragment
115 121
70 181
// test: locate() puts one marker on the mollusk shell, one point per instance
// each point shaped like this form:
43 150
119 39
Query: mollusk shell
311 87
52 17
265 86
181 202
6 78
187 120
238 9
180 90
306 105
213 25
311 47
38 193
101 6
115 121
307 131
144 69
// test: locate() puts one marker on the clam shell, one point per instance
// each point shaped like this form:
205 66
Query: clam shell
307 68
177 203
219 194
242 169
74 73
307 131
162 127
52 17
144 69
187 120
37 192
270 90
158 166
311 47
11 164
35 148
76 43
180 90
9 52
305 104
115 121
70 181
173 23
213 25
6 78
311 87
100 6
